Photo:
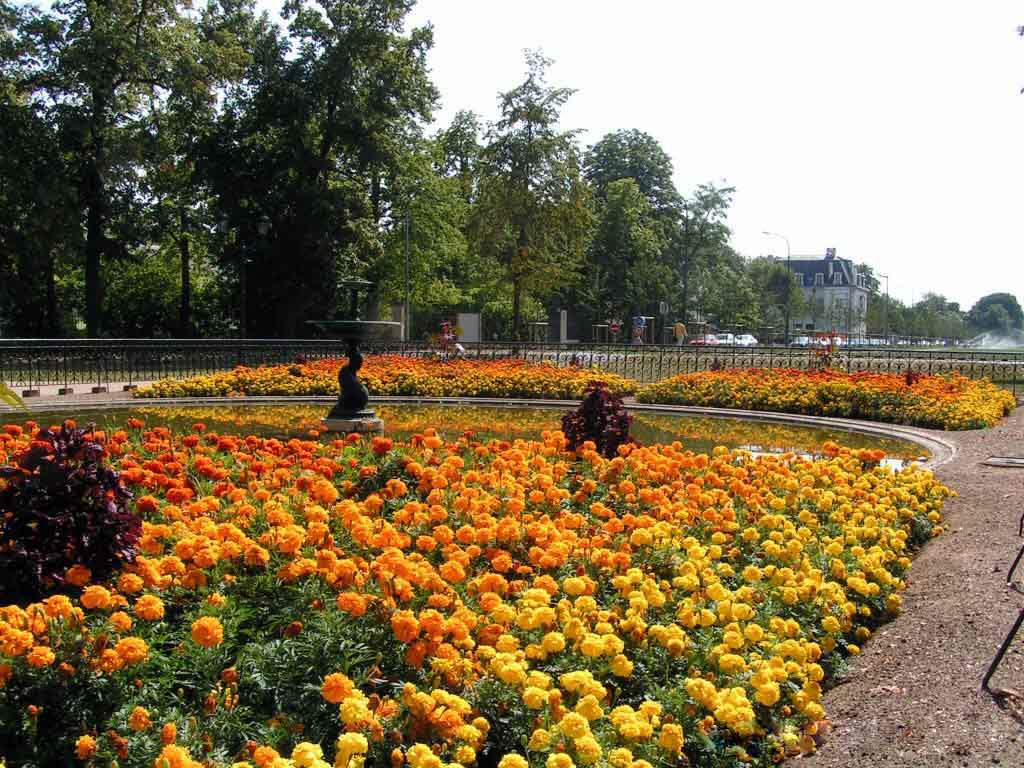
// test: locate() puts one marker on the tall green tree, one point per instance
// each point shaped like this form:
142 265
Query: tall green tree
633 154
625 271
702 236
314 141
98 65
533 214
996 312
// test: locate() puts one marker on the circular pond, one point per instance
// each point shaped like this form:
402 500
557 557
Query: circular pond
697 433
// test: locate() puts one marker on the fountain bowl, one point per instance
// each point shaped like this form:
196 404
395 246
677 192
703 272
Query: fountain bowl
360 330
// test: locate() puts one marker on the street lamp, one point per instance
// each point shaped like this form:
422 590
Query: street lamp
789 287
885 306
406 326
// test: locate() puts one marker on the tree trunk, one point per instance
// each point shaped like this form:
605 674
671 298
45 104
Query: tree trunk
52 319
95 203
185 308
517 290
93 253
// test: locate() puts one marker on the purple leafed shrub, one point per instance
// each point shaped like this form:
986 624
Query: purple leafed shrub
601 418
59 506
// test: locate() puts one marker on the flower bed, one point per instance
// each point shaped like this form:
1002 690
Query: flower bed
437 604
398 375
945 402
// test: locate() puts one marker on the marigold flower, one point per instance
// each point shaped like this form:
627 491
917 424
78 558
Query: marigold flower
85 747
41 656
139 720
132 649
207 632
149 608
168 733
336 688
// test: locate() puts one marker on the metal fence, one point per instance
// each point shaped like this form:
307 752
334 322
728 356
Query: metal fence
28 364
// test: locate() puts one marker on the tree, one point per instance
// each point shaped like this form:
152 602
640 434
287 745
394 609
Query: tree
634 155
996 312
625 269
315 140
703 233
98 64
533 213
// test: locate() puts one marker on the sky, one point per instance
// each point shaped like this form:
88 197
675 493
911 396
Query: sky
890 131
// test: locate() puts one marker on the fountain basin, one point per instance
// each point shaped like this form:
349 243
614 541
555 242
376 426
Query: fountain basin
360 330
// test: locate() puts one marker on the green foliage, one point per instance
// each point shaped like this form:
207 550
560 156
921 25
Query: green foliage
996 312
533 215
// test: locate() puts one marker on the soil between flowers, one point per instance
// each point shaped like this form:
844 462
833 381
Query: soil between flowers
914 698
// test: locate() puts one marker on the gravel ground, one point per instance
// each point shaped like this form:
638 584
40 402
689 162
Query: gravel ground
914 697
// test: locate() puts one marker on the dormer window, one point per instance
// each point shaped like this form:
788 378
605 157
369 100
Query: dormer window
819 278
837 278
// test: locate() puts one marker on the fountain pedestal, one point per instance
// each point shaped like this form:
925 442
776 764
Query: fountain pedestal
350 413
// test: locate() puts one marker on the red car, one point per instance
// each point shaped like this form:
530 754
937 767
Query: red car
707 340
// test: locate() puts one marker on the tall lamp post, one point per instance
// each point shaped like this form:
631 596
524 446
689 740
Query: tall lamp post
885 322
789 274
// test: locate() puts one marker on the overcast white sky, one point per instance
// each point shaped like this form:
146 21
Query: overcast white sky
889 130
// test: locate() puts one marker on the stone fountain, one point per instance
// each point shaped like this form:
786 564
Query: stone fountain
350 413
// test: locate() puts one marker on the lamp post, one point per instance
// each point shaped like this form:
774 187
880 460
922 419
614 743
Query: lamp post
407 326
789 287
885 321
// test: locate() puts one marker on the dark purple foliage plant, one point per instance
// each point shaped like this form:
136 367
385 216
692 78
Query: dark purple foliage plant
601 418
61 505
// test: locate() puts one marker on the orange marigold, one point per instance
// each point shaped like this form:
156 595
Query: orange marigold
149 607
207 632
41 656
85 747
405 626
139 720
336 688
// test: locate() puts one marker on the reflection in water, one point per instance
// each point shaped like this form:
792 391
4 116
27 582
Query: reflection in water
697 433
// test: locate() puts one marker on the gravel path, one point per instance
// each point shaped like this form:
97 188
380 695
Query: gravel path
913 697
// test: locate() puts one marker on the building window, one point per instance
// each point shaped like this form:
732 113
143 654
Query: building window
837 278
800 279
819 278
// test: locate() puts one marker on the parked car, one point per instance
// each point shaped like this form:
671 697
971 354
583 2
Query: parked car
726 339
746 340
707 340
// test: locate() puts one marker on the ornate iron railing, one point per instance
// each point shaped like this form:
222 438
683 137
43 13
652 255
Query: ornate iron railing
27 364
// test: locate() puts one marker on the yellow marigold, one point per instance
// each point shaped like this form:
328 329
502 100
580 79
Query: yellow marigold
559 760
349 745
588 751
671 738
621 666
574 725
513 760
307 755
207 632
535 698
540 740
590 708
